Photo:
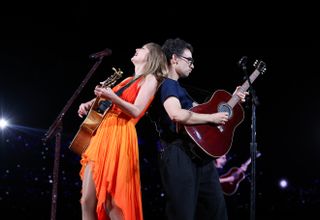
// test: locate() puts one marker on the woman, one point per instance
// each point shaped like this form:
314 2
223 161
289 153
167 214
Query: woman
110 165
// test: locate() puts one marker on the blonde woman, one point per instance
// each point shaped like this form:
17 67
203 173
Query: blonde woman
110 165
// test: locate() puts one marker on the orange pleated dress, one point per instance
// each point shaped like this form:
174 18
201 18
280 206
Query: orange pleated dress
114 156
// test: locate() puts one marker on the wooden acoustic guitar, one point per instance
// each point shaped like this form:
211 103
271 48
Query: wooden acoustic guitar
94 118
230 188
216 140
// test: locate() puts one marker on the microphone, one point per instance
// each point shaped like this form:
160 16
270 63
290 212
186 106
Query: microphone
243 61
101 54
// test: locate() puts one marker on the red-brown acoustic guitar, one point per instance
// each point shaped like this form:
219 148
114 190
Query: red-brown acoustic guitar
229 188
216 140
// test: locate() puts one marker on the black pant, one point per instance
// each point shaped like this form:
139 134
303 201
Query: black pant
193 190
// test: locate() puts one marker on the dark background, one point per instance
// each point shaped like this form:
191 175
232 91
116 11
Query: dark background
44 58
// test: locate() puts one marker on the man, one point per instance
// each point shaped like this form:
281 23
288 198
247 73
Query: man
189 177
220 162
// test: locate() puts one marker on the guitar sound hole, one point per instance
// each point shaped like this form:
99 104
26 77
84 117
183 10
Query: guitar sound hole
224 107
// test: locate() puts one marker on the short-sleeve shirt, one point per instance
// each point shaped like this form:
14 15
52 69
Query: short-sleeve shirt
170 88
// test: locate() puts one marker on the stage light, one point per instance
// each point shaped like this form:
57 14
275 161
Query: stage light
3 123
283 183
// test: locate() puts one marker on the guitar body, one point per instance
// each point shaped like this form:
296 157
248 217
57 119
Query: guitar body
216 140
229 188
87 129
94 118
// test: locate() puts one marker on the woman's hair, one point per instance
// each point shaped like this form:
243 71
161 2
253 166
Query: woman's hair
156 62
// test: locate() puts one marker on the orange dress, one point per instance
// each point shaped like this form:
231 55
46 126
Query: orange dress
114 156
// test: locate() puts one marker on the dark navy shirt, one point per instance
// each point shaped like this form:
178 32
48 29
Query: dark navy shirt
170 88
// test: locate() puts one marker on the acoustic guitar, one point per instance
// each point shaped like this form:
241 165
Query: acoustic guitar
230 188
216 140
94 118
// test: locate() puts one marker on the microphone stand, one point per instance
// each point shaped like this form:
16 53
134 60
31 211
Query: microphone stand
55 130
253 144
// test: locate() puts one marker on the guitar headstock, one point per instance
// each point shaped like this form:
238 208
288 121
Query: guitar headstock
111 80
260 66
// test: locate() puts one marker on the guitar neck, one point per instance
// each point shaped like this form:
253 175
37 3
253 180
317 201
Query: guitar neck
235 99
111 80
246 164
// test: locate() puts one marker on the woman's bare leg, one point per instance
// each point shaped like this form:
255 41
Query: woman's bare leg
114 212
89 198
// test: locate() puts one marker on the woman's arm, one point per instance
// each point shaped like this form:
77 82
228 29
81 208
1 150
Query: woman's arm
146 92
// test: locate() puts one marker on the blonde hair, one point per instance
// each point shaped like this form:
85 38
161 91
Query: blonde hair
156 62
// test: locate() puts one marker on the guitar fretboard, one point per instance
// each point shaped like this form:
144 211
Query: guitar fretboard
235 99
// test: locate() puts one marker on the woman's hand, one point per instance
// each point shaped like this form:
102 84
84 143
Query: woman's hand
84 108
106 93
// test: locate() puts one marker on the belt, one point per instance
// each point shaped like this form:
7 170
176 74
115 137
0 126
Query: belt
191 149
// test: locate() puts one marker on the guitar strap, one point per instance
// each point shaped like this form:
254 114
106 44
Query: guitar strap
106 103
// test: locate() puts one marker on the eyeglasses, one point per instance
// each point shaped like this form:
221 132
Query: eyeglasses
190 60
